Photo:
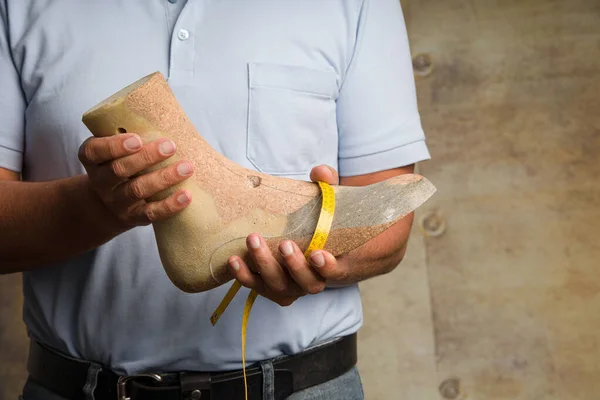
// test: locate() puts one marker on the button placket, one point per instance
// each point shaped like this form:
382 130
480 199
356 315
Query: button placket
183 43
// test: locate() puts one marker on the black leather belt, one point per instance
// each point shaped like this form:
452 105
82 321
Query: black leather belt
67 377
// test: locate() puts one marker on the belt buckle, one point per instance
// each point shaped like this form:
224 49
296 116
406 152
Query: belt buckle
122 383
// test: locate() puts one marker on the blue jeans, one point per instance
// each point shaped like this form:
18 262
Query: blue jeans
344 387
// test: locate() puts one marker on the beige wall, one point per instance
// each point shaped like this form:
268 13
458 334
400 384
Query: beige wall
503 304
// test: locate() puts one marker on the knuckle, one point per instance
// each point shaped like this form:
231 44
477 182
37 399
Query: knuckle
88 153
146 157
278 287
316 288
340 276
135 215
166 176
140 218
151 214
136 190
168 207
260 257
113 148
118 169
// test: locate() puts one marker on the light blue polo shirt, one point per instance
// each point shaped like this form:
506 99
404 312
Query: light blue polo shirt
275 85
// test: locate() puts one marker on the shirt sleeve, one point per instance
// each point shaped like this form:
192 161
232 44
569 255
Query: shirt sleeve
12 103
379 126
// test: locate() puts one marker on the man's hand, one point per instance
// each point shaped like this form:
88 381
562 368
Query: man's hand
111 164
295 277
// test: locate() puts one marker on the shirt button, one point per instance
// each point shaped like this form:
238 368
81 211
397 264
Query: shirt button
183 34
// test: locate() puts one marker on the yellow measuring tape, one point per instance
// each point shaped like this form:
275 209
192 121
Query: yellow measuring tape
317 243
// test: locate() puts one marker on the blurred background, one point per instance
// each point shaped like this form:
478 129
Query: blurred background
498 297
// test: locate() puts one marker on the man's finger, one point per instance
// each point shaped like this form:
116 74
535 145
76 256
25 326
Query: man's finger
147 185
247 278
326 265
166 208
96 150
272 273
299 269
242 273
151 154
324 173
112 173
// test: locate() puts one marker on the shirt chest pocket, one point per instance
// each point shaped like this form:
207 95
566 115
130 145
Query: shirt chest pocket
291 117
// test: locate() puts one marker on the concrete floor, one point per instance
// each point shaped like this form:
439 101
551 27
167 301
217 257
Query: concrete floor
503 303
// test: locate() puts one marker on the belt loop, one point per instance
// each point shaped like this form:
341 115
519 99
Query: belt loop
91 381
268 389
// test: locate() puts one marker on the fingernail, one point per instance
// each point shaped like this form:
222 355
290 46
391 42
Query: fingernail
184 169
235 265
287 249
167 147
317 258
133 143
183 198
254 242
